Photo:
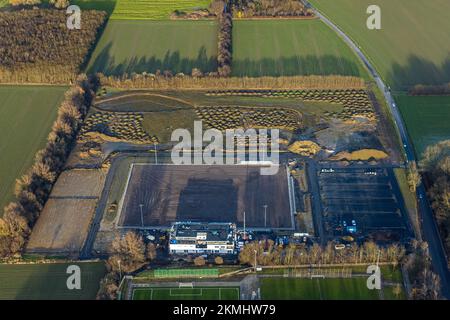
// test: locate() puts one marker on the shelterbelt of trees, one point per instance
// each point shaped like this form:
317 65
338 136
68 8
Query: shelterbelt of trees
416 261
435 167
167 80
33 189
37 47
269 8
224 44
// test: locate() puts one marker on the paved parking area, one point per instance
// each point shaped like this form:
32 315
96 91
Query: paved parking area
362 202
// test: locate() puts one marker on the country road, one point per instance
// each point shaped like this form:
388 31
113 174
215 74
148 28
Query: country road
429 226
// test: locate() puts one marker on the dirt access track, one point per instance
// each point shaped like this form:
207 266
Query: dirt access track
167 193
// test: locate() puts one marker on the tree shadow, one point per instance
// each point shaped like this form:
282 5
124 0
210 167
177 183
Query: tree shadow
418 70
307 65
208 200
106 63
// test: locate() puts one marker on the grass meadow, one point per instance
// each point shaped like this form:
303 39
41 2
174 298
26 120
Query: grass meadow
413 45
154 9
128 46
26 116
290 47
427 119
48 281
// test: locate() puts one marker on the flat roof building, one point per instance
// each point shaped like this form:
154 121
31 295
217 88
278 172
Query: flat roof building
199 237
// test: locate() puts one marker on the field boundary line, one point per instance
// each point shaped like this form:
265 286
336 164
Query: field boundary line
124 195
184 294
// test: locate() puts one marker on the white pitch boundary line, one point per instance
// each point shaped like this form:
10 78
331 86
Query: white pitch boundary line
122 199
186 294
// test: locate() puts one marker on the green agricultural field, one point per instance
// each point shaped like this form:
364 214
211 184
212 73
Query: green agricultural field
426 118
136 46
290 47
413 45
26 116
105 5
155 9
48 281
197 293
319 289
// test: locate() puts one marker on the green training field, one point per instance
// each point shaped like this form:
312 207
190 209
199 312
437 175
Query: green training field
197 293
290 47
318 289
154 9
426 118
48 281
186 273
136 46
26 116
413 45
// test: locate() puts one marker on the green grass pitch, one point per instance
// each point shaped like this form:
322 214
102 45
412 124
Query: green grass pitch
413 44
136 46
26 116
317 289
426 118
290 47
197 293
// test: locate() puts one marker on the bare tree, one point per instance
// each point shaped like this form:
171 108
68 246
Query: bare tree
128 253
199 261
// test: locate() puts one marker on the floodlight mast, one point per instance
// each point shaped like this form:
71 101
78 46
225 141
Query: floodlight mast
120 270
142 215
244 227
265 216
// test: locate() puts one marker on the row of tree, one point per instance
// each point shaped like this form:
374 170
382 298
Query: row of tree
270 8
425 284
270 254
224 54
36 45
423 90
33 189
181 81
59 4
435 166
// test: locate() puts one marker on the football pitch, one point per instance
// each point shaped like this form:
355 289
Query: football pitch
316 289
200 293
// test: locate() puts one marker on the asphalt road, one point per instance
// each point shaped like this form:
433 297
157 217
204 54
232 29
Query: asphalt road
429 226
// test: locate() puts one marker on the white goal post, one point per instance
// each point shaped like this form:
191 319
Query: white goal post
185 285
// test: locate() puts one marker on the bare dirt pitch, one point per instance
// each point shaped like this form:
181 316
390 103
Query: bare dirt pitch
65 220
169 193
